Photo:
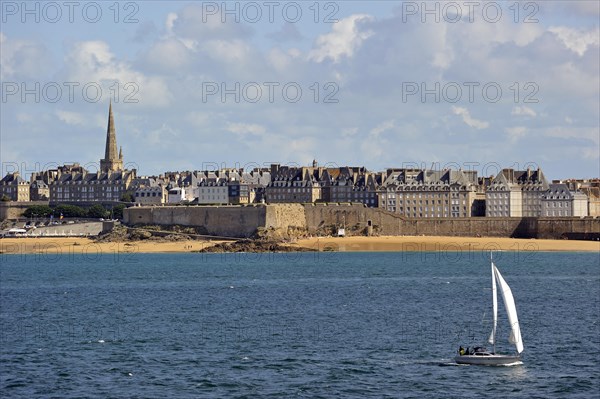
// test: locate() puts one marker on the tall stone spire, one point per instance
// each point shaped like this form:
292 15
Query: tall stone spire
112 160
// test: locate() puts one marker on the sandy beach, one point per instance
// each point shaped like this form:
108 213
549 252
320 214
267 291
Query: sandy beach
444 244
90 247
343 244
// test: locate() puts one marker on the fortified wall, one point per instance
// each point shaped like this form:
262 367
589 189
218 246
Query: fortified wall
357 218
226 221
245 221
14 210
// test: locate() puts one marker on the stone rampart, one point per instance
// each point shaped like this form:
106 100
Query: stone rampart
14 210
244 221
227 221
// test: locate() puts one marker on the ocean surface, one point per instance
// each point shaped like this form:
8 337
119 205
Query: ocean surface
330 325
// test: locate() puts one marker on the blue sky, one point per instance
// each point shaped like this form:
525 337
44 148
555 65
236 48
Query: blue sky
382 84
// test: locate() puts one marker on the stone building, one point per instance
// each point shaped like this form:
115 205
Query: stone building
293 185
213 191
350 184
514 193
253 183
589 187
559 201
74 184
14 187
149 191
593 195
77 185
38 189
176 195
425 193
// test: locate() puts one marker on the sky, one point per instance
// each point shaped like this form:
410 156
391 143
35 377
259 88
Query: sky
203 85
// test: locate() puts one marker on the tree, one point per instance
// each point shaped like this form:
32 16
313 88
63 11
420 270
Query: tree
5 198
118 211
97 211
127 197
69 211
37 211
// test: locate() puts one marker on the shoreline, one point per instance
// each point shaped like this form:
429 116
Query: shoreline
445 244
89 247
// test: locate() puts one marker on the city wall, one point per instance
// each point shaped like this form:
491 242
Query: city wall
14 210
244 221
227 221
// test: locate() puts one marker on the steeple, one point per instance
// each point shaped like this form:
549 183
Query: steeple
112 160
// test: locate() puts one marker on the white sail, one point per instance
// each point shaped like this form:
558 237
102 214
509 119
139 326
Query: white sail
511 310
492 339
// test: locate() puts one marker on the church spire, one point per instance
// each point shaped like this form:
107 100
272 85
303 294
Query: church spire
112 159
111 137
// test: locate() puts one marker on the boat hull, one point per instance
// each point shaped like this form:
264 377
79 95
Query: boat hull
488 360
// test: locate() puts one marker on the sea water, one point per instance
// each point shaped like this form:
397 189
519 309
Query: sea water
347 325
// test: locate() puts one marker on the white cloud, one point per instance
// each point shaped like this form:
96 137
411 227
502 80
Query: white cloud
92 61
246 128
281 60
164 136
575 133
577 40
523 111
71 118
288 32
23 58
470 121
343 40
228 51
590 153
382 127
170 22
514 133
23 117
193 23
198 119
168 54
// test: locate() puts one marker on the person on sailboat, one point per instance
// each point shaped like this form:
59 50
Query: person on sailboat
461 351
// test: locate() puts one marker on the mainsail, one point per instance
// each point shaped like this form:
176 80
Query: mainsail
511 310
492 339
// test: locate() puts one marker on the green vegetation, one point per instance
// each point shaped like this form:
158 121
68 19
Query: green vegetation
97 211
118 211
127 197
37 211
69 211
5 198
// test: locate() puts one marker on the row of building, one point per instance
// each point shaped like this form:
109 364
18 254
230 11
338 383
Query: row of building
414 193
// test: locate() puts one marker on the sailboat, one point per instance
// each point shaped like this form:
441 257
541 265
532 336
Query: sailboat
481 356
